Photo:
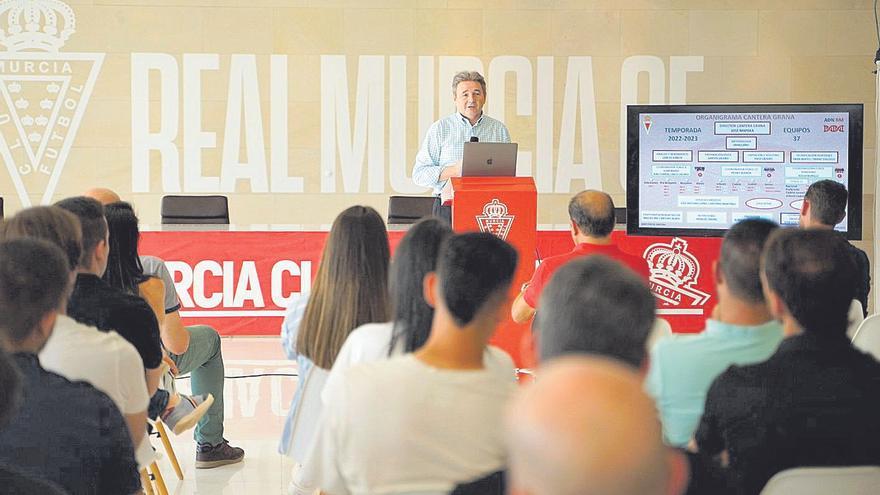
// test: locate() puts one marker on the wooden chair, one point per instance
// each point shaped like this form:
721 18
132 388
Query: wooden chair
160 431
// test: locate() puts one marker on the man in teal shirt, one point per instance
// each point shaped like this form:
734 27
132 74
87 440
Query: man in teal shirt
740 331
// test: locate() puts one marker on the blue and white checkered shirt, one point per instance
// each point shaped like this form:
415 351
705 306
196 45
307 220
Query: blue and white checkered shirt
444 145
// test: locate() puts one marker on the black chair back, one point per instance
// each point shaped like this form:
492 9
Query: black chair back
195 210
493 484
408 209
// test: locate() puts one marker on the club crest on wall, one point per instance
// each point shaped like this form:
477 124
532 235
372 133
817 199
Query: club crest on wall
43 93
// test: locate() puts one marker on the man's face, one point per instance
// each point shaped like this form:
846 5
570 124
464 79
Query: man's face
103 253
469 99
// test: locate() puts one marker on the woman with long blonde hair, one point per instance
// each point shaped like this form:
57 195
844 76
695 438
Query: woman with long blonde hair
350 289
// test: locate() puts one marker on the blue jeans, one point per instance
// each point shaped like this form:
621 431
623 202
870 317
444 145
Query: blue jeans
203 359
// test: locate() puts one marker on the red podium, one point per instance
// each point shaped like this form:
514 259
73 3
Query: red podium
508 208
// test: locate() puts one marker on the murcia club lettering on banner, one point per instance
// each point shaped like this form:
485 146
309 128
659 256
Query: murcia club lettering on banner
44 93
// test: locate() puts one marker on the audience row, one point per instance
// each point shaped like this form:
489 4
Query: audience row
391 403
92 334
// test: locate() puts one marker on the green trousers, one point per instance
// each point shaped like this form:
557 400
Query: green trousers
203 359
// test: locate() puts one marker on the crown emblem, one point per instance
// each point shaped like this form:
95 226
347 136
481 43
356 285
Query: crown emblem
35 24
674 272
495 219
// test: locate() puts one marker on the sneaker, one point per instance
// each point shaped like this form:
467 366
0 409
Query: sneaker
210 456
187 412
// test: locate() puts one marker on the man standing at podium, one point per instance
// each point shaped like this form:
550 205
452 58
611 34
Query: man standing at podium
439 158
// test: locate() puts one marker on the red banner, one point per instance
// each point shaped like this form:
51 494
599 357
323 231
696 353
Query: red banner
241 282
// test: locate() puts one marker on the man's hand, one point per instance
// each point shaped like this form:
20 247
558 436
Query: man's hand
172 367
451 170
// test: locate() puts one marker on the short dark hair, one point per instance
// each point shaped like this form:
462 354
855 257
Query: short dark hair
473 269
827 201
740 259
595 305
813 273
50 223
34 278
416 256
590 219
91 218
10 388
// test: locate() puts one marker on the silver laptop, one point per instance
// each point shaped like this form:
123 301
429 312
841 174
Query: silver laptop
489 160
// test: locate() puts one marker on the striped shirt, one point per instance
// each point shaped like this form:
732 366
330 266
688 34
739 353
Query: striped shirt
444 145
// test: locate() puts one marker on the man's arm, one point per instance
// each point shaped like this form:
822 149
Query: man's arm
174 336
707 439
520 311
428 171
119 472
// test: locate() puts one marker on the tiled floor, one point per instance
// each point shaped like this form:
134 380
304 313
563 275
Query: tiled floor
255 411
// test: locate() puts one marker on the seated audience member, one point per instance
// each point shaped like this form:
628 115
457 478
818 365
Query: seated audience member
410 325
824 207
95 303
125 271
12 480
427 421
741 331
595 305
586 427
816 400
592 221
76 351
194 349
67 432
350 289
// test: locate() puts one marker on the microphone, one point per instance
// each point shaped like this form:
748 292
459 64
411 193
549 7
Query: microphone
475 139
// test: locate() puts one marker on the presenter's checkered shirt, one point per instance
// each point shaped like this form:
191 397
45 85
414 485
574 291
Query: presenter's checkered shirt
444 145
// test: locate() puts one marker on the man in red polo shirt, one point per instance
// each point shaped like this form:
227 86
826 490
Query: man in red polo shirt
592 221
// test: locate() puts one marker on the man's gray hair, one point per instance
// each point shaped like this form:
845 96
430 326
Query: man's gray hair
468 75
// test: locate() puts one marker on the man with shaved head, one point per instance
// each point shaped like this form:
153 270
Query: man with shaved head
585 427
102 195
592 221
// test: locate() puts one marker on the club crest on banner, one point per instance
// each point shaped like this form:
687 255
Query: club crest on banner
675 273
647 123
43 93
495 219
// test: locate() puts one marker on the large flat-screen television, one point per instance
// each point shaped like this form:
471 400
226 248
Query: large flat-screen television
695 170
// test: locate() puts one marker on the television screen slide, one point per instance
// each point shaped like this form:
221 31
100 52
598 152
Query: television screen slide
697 170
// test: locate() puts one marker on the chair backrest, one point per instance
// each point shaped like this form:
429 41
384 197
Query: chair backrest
661 329
867 337
858 480
493 484
856 317
409 209
195 210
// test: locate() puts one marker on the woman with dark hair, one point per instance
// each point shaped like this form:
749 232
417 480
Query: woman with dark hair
350 289
124 268
125 272
410 325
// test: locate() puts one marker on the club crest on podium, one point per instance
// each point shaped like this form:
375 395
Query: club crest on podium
495 219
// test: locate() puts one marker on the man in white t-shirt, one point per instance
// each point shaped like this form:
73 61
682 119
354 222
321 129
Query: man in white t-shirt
428 421
103 359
